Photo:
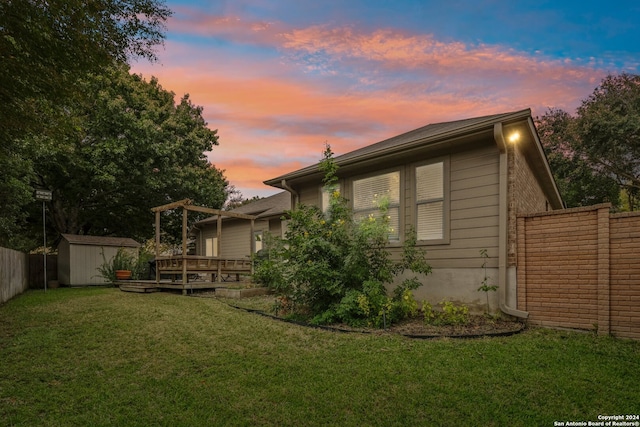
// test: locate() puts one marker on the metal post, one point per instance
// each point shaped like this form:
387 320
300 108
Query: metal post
45 196
44 233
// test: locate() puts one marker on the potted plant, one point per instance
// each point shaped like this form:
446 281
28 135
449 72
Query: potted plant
123 274
120 267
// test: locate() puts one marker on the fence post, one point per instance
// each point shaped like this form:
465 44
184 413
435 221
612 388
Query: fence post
604 288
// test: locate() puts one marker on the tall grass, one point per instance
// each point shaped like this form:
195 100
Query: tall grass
104 357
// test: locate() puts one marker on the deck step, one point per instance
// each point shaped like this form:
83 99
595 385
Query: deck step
138 287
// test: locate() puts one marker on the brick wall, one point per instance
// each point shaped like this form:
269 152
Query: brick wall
625 274
525 196
578 268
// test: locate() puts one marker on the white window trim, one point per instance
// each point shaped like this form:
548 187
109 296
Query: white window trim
445 199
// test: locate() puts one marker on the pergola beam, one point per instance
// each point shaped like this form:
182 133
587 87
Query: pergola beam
186 205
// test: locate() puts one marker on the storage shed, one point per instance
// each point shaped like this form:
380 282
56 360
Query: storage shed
79 257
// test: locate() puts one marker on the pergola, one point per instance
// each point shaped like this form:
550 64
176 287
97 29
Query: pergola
185 264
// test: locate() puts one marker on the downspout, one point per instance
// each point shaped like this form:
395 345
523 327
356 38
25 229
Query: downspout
293 192
503 231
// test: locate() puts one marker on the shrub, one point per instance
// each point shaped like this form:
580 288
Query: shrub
450 314
336 268
485 285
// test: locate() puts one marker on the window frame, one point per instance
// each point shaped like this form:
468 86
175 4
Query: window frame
445 199
395 241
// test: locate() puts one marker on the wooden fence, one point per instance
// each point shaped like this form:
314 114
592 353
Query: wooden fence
14 273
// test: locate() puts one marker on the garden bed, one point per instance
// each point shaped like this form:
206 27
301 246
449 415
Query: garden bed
478 325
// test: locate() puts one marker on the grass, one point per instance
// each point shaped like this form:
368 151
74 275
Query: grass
72 357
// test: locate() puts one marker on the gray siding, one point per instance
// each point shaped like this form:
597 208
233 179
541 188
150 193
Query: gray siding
472 216
235 237
473 210
310 195
275 227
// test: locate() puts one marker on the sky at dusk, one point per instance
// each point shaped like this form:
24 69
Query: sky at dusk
279 79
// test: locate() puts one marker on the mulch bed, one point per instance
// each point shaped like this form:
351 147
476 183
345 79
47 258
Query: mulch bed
478 325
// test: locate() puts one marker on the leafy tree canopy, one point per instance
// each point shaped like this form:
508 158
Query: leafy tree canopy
595 155
608 125
46 46
126 148
578 182
235 199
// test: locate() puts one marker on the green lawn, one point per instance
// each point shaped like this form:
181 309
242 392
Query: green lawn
90 357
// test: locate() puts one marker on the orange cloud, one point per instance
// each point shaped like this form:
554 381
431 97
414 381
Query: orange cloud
275 110
242 173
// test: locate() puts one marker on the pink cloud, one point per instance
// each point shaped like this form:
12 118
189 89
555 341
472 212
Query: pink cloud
345 86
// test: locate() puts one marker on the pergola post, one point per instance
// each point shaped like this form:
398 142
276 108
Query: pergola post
252 246
185 213
219 245
157 246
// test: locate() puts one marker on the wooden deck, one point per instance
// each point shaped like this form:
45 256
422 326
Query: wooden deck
218 269
223 289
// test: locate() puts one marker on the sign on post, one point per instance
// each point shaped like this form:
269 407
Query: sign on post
44 195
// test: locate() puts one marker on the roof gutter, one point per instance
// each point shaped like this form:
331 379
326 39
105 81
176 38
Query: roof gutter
503 230
432 140
294 193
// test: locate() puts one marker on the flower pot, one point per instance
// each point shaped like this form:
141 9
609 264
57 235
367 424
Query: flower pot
123 274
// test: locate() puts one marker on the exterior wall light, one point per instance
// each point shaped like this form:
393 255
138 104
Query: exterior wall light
514 137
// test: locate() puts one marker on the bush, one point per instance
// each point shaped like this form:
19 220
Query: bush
450 314
335 268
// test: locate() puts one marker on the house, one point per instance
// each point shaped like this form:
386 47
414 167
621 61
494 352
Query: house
235 241
80 257
460 185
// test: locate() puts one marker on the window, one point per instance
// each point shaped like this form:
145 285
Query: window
257 236
326 196
211 246
370 193
430 201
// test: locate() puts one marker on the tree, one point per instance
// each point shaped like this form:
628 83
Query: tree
235 199
46 46
578 182
334 268
595 155
608 127
130 148
46 49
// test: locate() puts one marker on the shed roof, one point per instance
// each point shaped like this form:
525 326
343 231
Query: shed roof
80 239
